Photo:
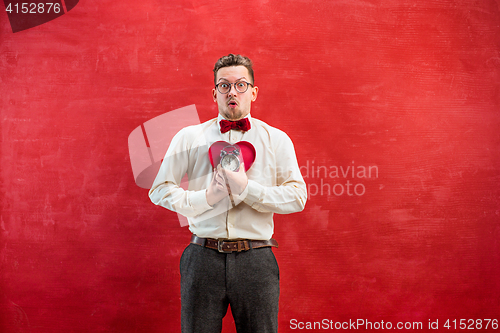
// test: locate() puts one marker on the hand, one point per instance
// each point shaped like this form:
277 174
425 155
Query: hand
237 180
217 189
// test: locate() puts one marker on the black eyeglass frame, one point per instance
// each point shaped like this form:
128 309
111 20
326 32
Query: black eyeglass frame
230 86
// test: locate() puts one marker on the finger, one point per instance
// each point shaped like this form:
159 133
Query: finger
219 178
221 187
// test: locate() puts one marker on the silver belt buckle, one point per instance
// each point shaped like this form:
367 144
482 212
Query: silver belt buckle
219 246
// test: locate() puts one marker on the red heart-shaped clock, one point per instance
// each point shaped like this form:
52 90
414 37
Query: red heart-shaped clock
247 152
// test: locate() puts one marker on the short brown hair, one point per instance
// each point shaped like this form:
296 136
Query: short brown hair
233 60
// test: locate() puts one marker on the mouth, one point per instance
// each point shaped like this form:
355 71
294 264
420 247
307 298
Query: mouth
232 104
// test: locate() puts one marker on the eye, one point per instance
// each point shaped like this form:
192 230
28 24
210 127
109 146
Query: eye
241 84
224 85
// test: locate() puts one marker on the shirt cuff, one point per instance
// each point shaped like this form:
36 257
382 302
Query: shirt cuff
199 202
254 192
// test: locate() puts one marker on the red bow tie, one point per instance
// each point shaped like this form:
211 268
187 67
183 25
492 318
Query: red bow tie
242 124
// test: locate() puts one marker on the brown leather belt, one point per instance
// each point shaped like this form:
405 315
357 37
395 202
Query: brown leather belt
228 246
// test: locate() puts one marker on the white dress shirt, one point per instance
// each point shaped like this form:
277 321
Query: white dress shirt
275 184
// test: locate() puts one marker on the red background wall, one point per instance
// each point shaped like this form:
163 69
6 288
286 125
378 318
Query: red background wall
410 87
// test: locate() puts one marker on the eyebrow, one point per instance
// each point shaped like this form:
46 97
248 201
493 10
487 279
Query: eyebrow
241 78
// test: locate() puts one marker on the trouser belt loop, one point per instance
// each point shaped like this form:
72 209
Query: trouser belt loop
243 245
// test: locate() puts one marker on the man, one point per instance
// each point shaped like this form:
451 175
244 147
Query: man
230 213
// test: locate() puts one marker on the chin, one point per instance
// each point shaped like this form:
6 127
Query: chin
233 115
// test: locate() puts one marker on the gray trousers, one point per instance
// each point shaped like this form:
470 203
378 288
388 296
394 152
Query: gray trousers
210 281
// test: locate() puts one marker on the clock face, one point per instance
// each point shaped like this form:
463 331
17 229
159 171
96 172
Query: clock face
230 162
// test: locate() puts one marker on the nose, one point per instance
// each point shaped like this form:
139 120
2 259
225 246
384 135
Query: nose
232 90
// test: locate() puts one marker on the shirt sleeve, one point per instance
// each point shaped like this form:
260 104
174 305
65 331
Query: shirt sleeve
289 195
166 190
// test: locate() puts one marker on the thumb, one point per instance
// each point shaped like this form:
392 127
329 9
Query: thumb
242 167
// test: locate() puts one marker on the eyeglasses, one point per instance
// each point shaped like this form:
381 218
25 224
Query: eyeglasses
240 86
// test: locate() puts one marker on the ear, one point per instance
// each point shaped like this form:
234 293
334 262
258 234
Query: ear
255 91
214 94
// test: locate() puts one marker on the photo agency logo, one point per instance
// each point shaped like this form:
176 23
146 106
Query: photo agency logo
148 148
148 144
337 180
28 14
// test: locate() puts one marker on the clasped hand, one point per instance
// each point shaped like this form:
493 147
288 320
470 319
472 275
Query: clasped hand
218 189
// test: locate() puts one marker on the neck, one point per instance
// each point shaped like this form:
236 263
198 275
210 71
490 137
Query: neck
233 119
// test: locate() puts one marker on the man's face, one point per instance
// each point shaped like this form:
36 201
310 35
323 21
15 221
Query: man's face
234 105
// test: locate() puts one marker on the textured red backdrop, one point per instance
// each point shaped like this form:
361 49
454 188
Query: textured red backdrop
409 90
